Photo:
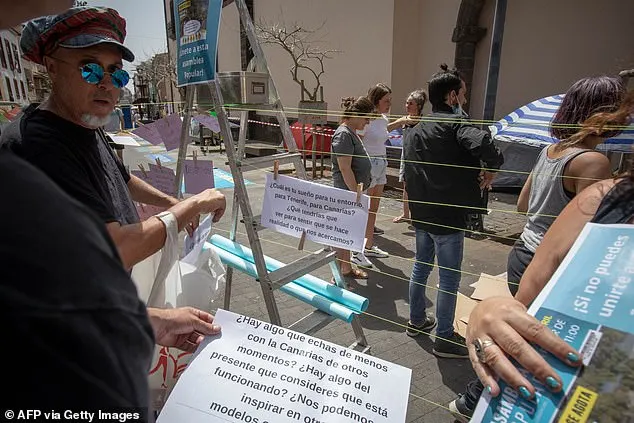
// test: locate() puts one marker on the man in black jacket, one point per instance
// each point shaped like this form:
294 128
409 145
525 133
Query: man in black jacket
444 180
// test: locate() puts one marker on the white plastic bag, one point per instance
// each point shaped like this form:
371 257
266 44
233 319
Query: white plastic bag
164 281
203 282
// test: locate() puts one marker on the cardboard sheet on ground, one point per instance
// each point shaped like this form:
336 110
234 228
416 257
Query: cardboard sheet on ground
464 306
199 175
490 286
328 215
501 276
258 372
170 130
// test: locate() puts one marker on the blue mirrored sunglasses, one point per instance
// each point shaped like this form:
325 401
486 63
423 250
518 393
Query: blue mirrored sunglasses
94 73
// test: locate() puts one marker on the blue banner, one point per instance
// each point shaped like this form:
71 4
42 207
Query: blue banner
589 303
546 404
596 285
197 24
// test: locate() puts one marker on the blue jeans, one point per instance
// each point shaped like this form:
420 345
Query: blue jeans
448 249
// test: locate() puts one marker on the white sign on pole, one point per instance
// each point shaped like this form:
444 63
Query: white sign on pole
328 215
261 373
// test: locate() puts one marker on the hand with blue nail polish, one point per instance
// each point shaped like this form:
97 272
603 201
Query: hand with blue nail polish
504 321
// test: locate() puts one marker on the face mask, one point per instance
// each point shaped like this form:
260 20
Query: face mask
457 109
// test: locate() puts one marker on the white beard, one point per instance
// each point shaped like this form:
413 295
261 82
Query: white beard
93 121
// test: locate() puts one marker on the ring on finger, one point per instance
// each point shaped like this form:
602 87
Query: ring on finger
480 346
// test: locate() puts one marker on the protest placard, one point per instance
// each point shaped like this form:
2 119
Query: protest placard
170 130
208 121
328 215
261 373
162 178
199 176
149 133
197 23
589 303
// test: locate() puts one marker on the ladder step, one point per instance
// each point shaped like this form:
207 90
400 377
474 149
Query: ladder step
356 346
312 322
255 222
301 267
252 107
267 161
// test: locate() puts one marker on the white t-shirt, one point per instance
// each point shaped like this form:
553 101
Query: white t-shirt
375 136
114 124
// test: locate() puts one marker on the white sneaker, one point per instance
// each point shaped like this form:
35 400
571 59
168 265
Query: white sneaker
375 251
360 260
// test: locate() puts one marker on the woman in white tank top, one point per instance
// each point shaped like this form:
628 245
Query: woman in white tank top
374 138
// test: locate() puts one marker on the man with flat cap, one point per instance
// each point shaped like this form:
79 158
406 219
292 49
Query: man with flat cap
77 335
83 52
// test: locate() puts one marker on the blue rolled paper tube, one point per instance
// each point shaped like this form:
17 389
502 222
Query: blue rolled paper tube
351 300
306 295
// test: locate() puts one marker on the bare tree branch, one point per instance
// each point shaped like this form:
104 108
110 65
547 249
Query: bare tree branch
301 44
156 70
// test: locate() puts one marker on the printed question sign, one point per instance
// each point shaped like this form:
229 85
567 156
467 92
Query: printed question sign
328 215
199 176
169 129
149 133
270 374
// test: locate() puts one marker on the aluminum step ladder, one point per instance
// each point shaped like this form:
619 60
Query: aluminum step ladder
241 211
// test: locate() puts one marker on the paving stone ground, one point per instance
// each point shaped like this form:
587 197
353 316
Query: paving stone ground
435 381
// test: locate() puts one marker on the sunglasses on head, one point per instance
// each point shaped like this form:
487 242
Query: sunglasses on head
94 73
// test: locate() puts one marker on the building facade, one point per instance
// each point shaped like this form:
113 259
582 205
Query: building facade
14 86
39 83
545 47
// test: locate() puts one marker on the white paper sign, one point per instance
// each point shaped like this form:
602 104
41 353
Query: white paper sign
260 373
194 244
124 139
330 216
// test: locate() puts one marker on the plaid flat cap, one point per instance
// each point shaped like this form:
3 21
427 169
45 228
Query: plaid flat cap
78 27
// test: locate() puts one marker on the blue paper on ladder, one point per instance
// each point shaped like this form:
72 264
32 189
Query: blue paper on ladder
224 179
320 294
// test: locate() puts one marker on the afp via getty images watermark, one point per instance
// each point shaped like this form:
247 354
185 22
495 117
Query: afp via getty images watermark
68 415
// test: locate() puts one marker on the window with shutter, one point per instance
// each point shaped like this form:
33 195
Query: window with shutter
3 60
16 56
17 89
9 55
8 81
